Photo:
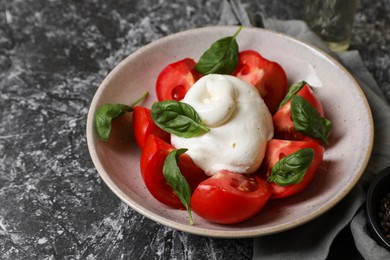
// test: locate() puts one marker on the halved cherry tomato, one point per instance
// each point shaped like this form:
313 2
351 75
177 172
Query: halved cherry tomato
267 76
152 160
144 125
278 149
176 79
229 197
283 124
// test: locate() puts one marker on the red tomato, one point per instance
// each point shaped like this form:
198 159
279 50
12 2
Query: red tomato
267 76
176 79
144 125
283 124
152 161
276 150
229 197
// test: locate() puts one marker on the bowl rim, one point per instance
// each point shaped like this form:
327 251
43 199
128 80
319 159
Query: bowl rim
213 232
371 214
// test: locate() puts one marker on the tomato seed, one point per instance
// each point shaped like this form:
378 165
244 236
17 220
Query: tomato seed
178 92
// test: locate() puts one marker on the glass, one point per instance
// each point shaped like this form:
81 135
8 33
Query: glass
332 20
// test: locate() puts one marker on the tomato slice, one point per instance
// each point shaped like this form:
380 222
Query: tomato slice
152 160
144 125
176 79
283 124
278 149
228 197
267 76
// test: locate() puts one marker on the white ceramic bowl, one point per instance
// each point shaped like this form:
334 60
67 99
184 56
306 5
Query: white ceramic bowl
345 105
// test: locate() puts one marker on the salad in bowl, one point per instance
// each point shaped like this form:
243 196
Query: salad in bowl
237 137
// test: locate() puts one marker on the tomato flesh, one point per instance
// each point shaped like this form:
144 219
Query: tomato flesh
176 79
228 197
282 120
144 125
278 149
267 76
152 160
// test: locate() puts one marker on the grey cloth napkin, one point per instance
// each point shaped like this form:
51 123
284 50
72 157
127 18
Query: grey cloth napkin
314 239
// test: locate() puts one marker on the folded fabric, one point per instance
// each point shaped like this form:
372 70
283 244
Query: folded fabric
314 239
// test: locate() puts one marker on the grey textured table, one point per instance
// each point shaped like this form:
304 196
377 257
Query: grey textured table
53 56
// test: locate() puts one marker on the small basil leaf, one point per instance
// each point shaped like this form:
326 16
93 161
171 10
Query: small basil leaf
176 180
292 168
292 91
308 121
104 116
106 113
221 57
178 118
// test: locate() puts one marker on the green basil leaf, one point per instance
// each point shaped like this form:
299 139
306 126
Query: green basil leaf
292 168
221 57
308 121
291 92
176 180
178 118
104 116
106 113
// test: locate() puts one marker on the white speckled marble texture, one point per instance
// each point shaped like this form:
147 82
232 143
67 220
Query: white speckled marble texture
53 56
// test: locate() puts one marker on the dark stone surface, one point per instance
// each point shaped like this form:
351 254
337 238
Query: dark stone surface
53 56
